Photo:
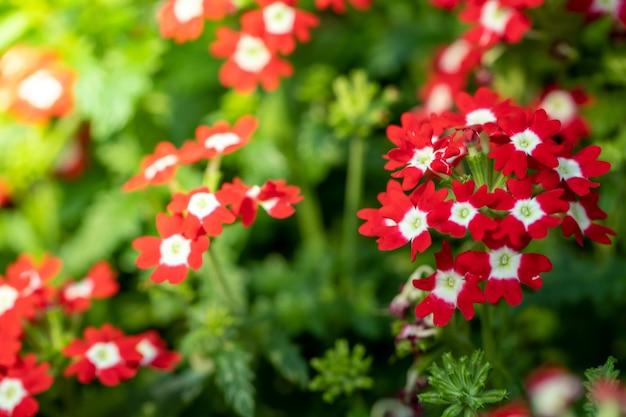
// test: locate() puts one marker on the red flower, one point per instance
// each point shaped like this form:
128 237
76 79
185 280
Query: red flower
339 6
5 192
100 283
218 9
579 220
205 211
374 220
516 409
496 21
456 217
524 139
564 106
154 351
249 61
458 58
35 275
15 306
439 91
552 390
182 20
172 255
280 22
105 353
156 169
451 287
18 384
219 139
596 8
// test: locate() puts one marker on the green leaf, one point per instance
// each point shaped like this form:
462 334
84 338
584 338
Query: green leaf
234 377
285 356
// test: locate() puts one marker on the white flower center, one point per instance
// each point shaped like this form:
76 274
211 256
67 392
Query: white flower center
422 158
527 211
80 289
504 263
279 18
41 89
453 56
480 117
568 168
202 204
253 192
495 17
559 105
269 204
448 284
413 223
552 397
159 165
34 281
8 296
185 10
463 213
12 393
175 250
221 141
251 55
578 212
439 99
147 350
104 355
526 141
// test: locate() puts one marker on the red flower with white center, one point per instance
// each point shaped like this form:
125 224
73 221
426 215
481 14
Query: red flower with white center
280 22
527 215
339 6
156 169
459 57
406 218
19 383
516 409
105 353
455 217
422 328
451 287
564 106
182 20
99 284
552 390
496 22
579 218
154 351
206 211
574 171
219 139
249 61
418 151
374 221
276 198
505 267
14 306
597 8
35 275
174 253
524 139
438 93
609 393
11 343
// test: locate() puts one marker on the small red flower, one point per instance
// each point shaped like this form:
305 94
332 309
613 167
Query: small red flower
579 218
219 139
154 351
564 106
496 21
5 192
156 169
438 93
105 353
458 58
451 287
98 284
173 254
218 9
339 6
280 22
36 275
11 343
15 306
249 61
206 211
19 383
515 409
374 221
182 20
552 390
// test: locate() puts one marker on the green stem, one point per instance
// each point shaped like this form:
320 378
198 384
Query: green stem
212 174
218 277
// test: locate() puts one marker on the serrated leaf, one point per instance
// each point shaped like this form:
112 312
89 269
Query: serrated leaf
285 356
234 377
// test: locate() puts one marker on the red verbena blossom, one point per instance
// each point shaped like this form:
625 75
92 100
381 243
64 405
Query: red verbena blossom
172 254
458 58
451 287
11 342
156 169
154 351
564 106
515 409
182 20
280 22
339 6
98 284
36 275
438 93
276 197
219 139
248 61
578 220
206 211
19 383
15 305
105 353
552 390
596 8
495 20
406 218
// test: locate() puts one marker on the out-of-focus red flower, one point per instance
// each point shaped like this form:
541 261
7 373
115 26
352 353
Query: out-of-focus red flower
98 284
156 169
19 383
182 20
552 390
154 351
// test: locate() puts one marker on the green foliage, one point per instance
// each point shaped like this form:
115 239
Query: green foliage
461 385
341 372
234 377
606 372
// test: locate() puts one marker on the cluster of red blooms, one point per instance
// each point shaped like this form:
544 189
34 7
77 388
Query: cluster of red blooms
34 84
525 180
252 54
201 212
29 291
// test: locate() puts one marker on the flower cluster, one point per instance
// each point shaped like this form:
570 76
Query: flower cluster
253 54
200 213
30 295
35 85
522 182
